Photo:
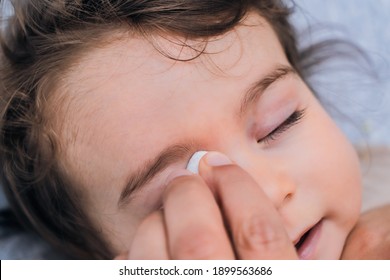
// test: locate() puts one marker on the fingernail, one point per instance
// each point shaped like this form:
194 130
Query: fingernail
217 159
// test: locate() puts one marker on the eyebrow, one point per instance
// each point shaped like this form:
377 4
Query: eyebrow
257 89
179 151
150 169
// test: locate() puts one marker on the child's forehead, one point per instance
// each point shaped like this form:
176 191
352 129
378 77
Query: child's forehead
134 72
158 53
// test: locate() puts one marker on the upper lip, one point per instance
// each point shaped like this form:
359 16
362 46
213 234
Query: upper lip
299 238
296 240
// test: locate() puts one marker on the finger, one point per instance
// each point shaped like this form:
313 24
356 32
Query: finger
122 256
256 228
193 220
370 238
150 242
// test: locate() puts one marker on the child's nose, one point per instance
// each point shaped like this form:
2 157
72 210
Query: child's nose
279 187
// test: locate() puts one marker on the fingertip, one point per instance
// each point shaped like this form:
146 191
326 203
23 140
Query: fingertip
217 159
202 158
211 160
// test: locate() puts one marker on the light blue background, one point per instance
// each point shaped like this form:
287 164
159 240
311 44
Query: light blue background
364 100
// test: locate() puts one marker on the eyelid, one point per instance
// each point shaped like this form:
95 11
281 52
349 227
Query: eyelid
289 122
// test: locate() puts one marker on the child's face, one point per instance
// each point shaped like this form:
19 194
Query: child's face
129 103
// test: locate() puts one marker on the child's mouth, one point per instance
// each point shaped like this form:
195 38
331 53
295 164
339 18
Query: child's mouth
306 244
302 240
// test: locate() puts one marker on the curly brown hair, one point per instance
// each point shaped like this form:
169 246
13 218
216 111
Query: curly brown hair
42 40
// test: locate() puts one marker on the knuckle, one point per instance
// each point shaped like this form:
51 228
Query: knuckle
196 245
189 181
153 218
258 233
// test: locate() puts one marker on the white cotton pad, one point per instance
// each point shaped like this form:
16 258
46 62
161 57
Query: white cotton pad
193 163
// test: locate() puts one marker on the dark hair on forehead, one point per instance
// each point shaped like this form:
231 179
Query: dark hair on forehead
46 26
40 42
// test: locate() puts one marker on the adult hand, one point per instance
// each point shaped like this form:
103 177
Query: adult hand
370 238
221 214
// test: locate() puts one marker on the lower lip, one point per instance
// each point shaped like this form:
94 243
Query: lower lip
308 248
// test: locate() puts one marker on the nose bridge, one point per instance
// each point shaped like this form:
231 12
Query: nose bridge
271 174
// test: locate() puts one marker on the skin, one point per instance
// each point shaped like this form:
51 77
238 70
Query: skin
254 198
370 238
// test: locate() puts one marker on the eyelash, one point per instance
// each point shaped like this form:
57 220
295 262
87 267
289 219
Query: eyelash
292 120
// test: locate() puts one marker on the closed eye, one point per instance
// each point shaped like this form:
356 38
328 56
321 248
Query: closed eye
292 120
